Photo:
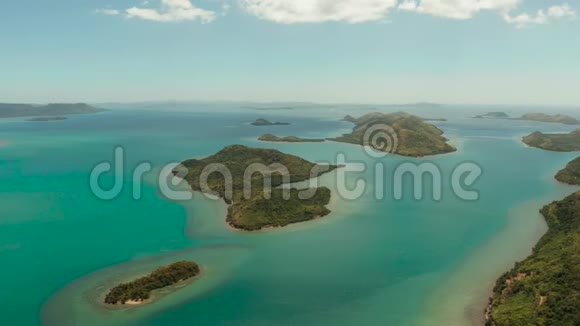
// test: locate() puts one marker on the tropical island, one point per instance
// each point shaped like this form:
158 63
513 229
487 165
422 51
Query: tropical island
138 291
557 118
46 119
493 115
249 206
544 289
414 137
289 139
569 142
8 110
263 122
571 173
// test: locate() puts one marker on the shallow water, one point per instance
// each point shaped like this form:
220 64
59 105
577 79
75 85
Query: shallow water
370 262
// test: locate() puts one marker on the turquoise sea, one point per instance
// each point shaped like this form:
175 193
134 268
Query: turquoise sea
371 262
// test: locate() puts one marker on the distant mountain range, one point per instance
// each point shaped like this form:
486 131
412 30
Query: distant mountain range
8 110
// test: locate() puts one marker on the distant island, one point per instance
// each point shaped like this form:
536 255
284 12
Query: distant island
544 289
289 139
257 212
493 115
571 173
554 142
415 137
558 118
540 117
264 122
44 119
138 291
58 109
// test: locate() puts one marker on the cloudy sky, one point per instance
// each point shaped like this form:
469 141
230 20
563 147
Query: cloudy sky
365 51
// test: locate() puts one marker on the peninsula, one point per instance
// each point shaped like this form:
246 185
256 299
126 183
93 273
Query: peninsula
412 135
138 291
252 210
544 289
57 109
571 173
569 142
264 122
289 139
557 118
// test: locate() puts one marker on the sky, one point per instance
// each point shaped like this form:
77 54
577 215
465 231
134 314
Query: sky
514 52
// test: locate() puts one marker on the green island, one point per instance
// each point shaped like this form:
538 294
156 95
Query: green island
8 110
557 118
264 122
571 173
289 139
46 119
544 288
569 142
254 211
138 291
493 115
414 136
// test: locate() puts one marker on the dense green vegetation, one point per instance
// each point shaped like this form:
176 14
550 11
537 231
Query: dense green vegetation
555 142
264 122
415 137
544 289
28 110
140 289
255 212
289 139
571 173
557 118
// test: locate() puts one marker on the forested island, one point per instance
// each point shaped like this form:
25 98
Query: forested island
414 137
289 139
571 173
256 212
58 109
569 142
264 122
544 289
139 291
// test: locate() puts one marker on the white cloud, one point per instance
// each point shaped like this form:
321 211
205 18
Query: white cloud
553 13
172 11
317 11
562 11
110 12
457 9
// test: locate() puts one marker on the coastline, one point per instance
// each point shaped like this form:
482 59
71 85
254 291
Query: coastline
467 299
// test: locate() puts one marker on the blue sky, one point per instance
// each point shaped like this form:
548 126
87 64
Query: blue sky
354 51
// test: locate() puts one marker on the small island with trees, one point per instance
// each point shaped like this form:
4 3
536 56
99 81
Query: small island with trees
493 115
253 210
139 291
570 174
569 142
544 288
414 137
263 122
288 139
